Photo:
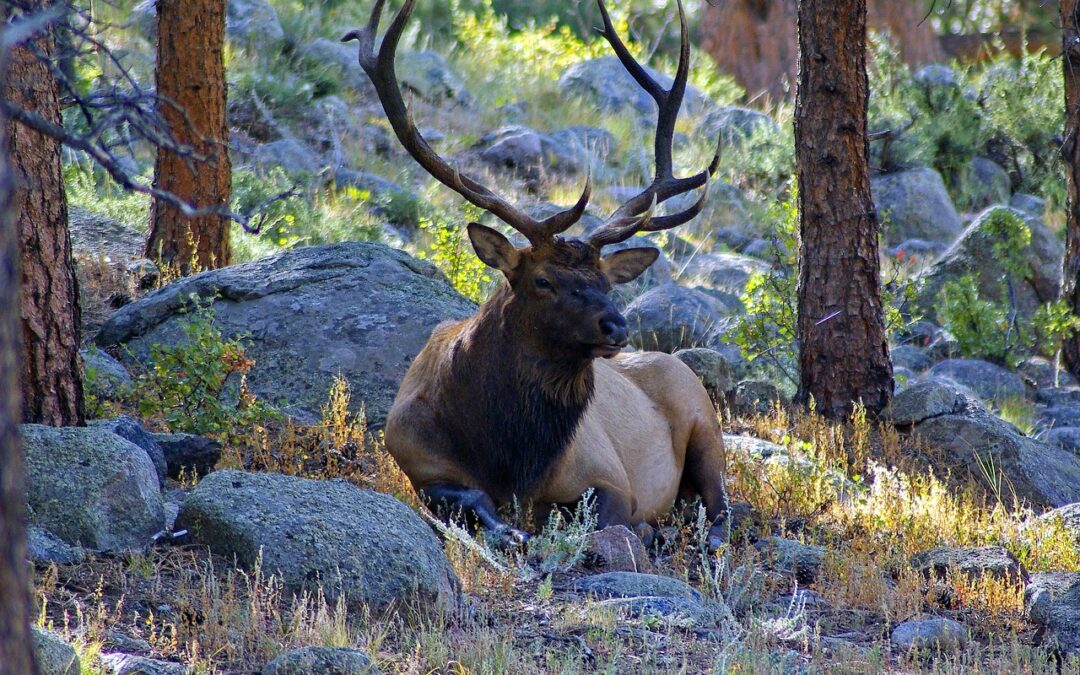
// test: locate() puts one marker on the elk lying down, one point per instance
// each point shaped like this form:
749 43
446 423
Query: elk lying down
532 398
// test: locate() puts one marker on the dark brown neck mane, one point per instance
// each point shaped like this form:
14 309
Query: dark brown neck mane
514 407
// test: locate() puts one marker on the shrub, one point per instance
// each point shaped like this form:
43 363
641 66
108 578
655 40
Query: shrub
199 385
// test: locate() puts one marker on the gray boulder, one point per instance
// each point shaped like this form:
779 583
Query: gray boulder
926 400
1045 375
936 76
915 205
428 74
366 547
1066 438
606 82
361 310
188 453
129 429
928 633
46 548
988 381
105 377
91 487
1029 204
973 254
131 664
735 124
973 439
678 611
723 272
712 369
634 585
1069 516
54 656
94 235
985 183
1059 415
254 22
910 356
616 549
756 397
323 660
788 556
1053 602
753 447
669 318
973 561
288 153
338 59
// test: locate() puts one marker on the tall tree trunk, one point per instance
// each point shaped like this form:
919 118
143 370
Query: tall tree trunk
755 40
1070 289
51 373
190 72
16 652
843 356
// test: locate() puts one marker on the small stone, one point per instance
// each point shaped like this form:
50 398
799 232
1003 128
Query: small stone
711 368
634 585
616 549
929 633
792 557
321 660
756 397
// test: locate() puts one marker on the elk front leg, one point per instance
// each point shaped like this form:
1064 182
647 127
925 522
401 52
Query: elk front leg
446 499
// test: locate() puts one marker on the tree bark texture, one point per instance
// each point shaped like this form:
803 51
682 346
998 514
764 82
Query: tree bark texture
16 645
755 40
190 72
1070 290
843 355
51 369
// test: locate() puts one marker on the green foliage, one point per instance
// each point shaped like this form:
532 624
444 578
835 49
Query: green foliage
450 250
321 215
982 328
199 385
92 190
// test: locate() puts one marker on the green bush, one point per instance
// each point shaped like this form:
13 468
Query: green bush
199 385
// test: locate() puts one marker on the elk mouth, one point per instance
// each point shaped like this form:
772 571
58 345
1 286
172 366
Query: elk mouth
607 350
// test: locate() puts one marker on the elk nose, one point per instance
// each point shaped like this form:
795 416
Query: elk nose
614 329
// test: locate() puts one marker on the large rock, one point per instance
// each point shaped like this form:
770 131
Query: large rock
53 655
46 548
253 22
129 429
788 556
988 381
985 447
94 235
1053 602
188 454
926 400
670 317
634 585
973 253
361 310
340 60
91 487
726 273
131 664
915 205
1069 516
329 660
606 82
366 547
986 183
972 561
428 74
736 124
104 376
929 633
712 369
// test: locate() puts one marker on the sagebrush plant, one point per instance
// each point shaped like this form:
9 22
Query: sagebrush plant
199 384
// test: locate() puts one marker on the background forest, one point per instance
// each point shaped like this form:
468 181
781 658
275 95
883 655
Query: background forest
942 535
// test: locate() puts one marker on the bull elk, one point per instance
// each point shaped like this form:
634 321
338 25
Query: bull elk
532 398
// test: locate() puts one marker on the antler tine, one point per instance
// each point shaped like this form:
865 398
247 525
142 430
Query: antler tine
380 68
624 223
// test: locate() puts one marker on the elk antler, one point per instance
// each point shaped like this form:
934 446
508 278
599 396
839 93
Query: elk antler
380 68
635 215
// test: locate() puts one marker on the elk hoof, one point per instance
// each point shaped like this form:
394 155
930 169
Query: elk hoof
510 537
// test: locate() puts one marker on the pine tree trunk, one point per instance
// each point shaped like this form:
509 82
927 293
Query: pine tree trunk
16 653
190 72
51 373
755 40
1070 290
844 356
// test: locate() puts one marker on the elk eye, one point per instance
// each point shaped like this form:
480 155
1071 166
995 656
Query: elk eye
543 283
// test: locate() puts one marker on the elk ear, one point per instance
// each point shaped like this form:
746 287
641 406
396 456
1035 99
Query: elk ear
627 264
493 248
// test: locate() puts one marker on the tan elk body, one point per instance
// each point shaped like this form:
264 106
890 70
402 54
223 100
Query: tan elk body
532 398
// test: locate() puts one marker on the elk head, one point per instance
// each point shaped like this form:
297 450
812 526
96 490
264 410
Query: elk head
559 286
